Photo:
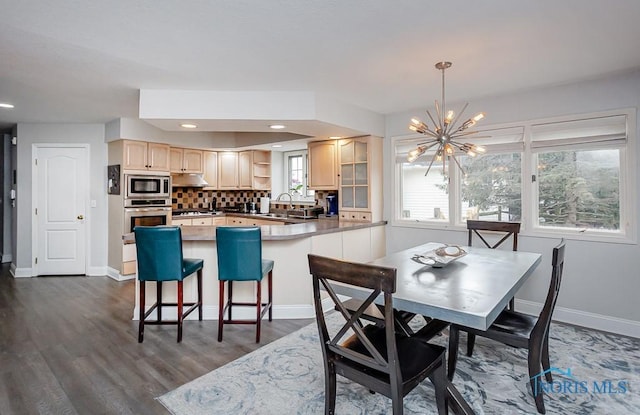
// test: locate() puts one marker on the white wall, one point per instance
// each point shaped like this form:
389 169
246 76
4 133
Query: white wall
92 134
601 281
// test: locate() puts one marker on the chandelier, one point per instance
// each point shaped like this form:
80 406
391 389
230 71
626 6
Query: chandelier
446 132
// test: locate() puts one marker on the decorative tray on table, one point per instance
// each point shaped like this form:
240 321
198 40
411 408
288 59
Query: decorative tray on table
440 257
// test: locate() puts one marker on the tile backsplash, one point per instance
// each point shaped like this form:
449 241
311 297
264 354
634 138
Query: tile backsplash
194 198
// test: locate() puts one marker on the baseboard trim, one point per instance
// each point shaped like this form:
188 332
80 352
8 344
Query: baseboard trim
282 312
21 272
595 321
115 275
96 271
7 258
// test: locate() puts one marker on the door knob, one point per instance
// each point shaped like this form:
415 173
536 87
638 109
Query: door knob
80 217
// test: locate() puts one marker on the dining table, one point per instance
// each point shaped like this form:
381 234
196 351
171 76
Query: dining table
470 287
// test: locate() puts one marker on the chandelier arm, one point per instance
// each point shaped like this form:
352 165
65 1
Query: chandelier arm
431 164
467 133
457 117
430 134
458 164
432 120
440 116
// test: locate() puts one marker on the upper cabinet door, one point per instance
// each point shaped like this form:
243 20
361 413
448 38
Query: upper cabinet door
354 174
158 156
323 165
192 161
186 160
176 160
211 169
141 155
228 170
135 155
245 169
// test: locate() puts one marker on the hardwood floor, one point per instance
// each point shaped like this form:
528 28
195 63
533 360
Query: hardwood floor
68 345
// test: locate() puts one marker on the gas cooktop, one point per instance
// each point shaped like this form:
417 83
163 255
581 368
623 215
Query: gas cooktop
193 212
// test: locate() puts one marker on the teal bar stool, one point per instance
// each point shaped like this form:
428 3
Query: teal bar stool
240 259
159 250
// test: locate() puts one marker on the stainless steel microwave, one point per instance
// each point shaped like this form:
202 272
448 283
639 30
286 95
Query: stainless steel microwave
147 187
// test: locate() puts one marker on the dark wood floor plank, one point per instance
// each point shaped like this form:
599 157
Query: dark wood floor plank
68 345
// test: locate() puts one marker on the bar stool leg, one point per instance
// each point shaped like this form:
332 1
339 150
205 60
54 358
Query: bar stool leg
221 306
141 322
270 281
159 299
180 310
199 294
258 311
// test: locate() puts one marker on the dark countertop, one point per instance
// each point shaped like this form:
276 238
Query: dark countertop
288 220
274 232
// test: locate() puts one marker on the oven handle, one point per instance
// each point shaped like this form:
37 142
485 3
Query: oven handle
148 209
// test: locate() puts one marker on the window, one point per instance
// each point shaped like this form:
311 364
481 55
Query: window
569 176
296 174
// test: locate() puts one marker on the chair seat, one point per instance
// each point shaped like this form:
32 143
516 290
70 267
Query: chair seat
191 265
511 323
267 265
414 354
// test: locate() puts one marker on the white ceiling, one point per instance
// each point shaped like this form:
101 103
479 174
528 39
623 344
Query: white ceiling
85 61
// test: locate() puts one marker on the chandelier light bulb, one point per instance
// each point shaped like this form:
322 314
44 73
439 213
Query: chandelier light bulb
478 116
449 117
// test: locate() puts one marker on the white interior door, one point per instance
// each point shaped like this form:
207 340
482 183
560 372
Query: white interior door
60 199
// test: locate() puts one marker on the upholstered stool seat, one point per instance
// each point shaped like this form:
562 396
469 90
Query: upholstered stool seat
159 251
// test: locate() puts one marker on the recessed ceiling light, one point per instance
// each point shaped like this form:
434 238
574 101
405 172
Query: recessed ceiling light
335 137
277 126
276 145
188 126
6 105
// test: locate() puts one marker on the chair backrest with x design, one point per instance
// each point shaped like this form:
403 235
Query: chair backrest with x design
508 228
379 280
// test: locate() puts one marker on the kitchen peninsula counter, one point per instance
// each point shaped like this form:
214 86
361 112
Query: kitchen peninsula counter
275 232
288 246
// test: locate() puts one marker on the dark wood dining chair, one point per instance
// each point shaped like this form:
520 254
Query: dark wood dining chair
522 331
380 358
480 228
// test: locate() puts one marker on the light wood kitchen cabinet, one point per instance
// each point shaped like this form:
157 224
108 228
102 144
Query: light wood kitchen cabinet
261 170
245 169
142 155
181 222
228 170
186 160
205 221
323 165
360 173
210 169
254 169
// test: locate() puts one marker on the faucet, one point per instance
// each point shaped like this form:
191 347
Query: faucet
290 198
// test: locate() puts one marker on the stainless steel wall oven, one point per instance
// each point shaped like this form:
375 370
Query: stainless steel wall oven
146 216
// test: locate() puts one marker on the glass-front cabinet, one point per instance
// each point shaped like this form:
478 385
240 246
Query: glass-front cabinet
354 174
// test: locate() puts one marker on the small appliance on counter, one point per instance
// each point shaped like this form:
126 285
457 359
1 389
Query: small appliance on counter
264 205
332 205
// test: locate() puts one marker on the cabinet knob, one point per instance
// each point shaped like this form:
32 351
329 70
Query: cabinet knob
80 217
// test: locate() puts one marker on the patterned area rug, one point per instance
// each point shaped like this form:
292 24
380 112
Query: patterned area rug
594 373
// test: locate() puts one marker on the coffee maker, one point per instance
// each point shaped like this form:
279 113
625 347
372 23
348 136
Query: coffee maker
332 205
